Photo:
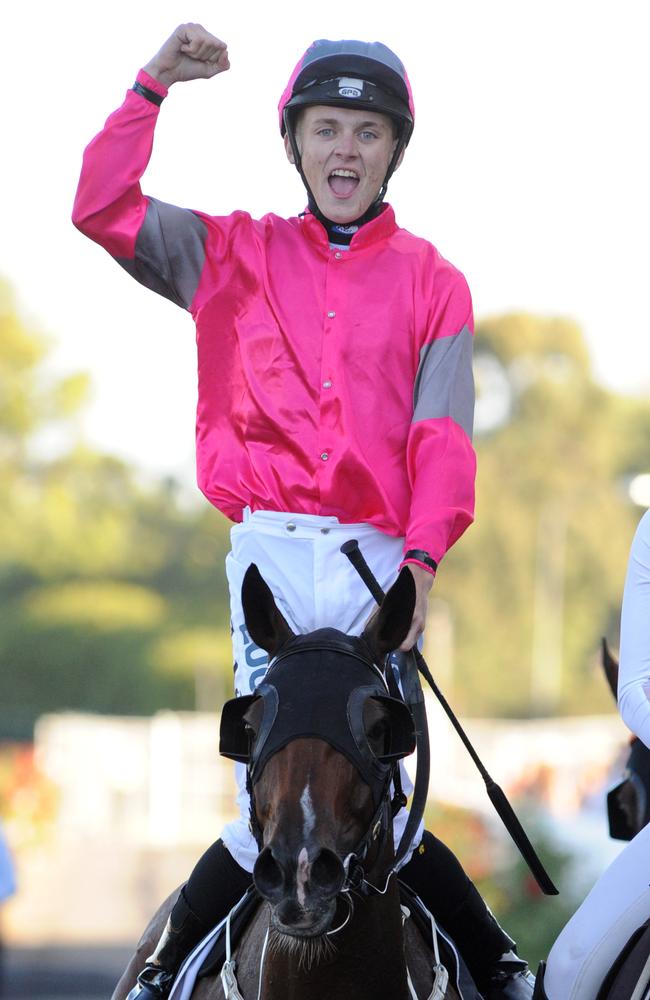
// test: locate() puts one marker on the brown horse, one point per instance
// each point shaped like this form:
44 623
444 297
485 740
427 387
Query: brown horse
321 738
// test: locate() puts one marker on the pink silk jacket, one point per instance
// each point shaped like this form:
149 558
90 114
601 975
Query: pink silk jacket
330 381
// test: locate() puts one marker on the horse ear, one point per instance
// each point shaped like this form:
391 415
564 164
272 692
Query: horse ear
388 627
610 666
266 626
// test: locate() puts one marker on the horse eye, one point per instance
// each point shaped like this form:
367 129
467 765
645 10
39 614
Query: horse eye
252 718
377 735
249 730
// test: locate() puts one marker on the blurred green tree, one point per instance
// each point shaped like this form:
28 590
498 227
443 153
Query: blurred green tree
538 578
96 569
493 863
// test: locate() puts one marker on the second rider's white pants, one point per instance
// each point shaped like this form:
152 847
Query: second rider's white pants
599 929
314 586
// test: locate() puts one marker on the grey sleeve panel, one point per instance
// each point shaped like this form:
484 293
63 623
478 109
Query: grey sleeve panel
444 385
169 252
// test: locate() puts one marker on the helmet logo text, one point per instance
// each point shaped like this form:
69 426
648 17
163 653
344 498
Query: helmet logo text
349 87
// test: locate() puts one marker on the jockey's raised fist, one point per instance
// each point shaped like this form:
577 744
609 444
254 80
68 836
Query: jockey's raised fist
190 53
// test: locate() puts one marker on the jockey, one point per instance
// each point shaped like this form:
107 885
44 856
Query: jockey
335 402
620 900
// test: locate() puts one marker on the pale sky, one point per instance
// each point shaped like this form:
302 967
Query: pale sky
528 169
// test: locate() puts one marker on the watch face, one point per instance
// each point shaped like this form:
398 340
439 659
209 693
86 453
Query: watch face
493 393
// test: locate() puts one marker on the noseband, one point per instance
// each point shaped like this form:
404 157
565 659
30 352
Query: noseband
317 686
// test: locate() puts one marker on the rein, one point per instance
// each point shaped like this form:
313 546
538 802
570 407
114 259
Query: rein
495 793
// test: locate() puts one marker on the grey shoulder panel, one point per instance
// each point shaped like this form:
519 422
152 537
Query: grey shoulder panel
169 252
444 385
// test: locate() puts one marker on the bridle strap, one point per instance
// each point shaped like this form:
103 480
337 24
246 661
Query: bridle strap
253 821
377 832
414 698
331 646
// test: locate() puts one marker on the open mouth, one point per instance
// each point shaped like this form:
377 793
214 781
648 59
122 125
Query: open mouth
343 183
311 926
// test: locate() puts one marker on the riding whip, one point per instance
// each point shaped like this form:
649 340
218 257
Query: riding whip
496 794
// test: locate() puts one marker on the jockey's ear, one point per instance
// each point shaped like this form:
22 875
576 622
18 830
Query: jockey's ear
388 627
266 626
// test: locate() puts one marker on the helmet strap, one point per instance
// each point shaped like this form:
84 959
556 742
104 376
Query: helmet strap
392 166
297 160
342 232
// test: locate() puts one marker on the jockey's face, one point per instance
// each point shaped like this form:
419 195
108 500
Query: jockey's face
345 153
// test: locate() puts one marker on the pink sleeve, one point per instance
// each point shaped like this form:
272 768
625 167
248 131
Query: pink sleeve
109 205
442 466
160 245
440 456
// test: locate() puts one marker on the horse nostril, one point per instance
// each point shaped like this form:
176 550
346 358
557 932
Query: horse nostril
268 875
327 873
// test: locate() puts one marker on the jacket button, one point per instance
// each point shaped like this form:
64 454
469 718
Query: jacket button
290 526
331 314
324 456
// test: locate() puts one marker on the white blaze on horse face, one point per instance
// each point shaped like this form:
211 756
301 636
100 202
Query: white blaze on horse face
302 875
308 824
309 816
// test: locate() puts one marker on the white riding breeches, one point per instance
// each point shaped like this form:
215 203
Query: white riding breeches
314 586
594 936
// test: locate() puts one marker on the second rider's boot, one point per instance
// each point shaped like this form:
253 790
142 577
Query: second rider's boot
182 933
509 979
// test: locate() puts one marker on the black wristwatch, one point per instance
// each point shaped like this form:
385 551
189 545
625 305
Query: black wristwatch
147 93
421 556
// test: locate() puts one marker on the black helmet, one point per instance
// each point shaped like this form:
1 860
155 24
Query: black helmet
350 74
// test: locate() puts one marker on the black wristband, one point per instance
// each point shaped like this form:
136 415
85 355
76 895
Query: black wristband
422 557
147 93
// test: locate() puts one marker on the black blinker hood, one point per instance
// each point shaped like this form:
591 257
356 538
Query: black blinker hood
317 687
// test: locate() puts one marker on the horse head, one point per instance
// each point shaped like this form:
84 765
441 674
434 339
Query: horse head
628 802
321 738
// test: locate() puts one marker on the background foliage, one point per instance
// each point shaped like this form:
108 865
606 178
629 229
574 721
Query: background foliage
495 866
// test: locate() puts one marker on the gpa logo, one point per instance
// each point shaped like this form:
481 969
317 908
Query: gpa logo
349 87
